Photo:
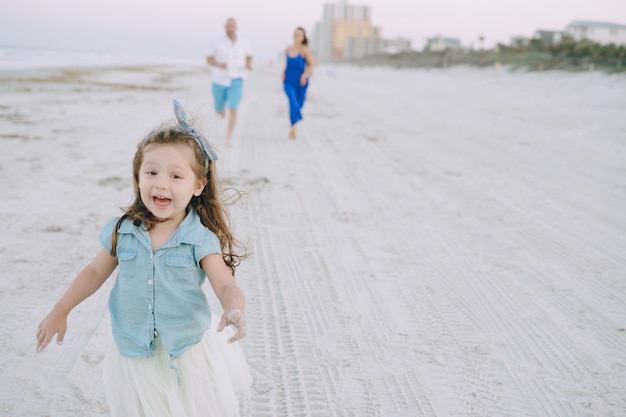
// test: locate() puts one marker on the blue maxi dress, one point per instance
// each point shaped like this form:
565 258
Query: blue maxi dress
296 93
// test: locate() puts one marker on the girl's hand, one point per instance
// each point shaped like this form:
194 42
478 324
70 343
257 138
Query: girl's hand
54 323
236 319
303 79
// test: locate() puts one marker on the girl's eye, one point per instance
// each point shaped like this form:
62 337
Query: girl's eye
176 176
151 172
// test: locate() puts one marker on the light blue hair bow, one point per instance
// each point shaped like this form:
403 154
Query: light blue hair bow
181 117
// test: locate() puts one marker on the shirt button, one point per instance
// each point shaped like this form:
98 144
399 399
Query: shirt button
149 306
149 282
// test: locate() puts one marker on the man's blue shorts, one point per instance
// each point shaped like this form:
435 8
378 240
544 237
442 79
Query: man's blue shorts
227 94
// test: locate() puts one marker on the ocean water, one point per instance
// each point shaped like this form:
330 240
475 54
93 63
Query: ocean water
17 57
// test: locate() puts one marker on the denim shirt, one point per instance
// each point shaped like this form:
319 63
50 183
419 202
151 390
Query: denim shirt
158 293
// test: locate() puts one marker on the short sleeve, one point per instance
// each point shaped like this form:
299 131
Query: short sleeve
214 49
207 244
248 48
106 236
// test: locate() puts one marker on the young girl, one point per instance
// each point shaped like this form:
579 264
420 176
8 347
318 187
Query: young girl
165 360
298 69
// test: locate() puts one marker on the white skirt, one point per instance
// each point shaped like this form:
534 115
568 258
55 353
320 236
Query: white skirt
213 377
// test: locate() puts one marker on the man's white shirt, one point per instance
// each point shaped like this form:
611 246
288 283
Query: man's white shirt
234 55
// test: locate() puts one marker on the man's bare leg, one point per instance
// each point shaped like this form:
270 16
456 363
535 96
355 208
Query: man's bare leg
292 132
232 119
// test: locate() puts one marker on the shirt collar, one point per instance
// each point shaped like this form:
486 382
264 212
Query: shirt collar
189 231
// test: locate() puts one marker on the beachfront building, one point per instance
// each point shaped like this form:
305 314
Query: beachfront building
339 21
394 46
599 32
344 28
356 47
548 36
441 43
518 41
346 32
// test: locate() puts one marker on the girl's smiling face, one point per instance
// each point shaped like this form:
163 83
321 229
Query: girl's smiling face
167 181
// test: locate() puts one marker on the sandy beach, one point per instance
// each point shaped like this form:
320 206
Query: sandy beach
443 243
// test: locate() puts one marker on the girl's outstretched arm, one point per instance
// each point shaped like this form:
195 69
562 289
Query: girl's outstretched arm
86 283
228 293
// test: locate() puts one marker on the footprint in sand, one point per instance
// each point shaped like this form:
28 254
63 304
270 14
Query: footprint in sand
116 182
249 184
92 359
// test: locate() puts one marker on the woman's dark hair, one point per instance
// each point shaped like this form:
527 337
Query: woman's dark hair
305 41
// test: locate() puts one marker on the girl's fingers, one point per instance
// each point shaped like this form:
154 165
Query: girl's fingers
240 323
222 324
241 333
60 336
238 320
42 341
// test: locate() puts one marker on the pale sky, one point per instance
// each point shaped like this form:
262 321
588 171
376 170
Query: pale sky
186 28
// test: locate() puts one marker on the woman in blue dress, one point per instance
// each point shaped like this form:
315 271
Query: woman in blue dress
298 69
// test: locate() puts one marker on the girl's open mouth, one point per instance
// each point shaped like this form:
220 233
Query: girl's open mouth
161 203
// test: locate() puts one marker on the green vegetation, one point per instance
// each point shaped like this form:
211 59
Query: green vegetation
535 55
567 54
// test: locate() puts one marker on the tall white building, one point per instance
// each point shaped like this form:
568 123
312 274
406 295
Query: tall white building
346 32
339 20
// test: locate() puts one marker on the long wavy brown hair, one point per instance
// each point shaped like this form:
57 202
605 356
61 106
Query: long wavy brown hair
210 205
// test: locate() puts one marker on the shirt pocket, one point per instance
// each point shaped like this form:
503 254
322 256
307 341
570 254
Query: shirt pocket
126 260
180 267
